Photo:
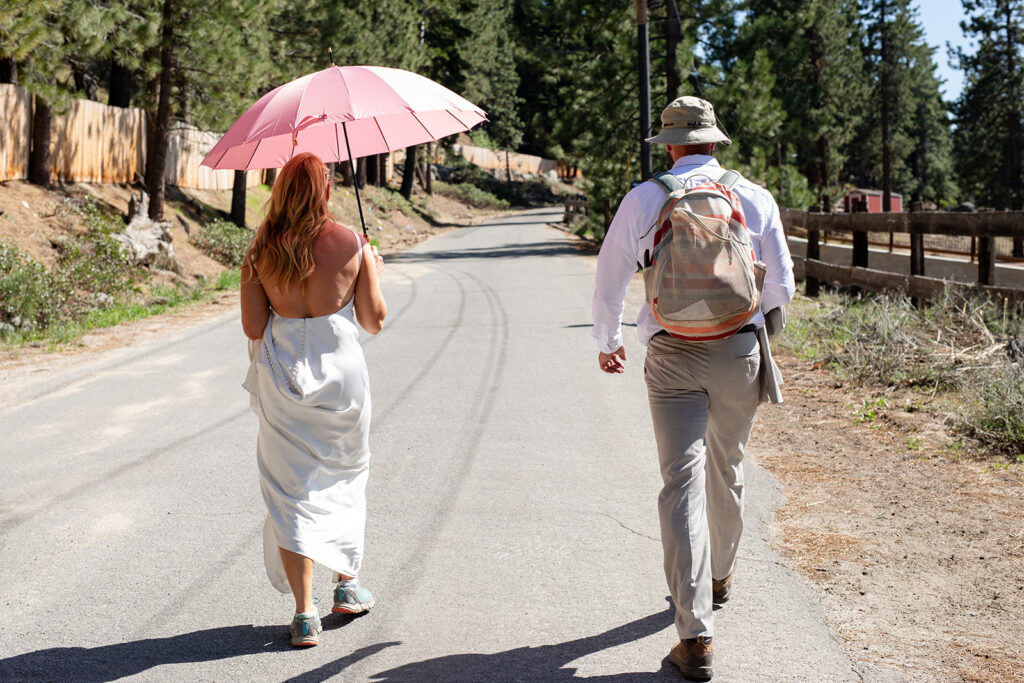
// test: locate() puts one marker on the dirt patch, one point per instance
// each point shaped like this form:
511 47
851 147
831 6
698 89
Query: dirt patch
918 552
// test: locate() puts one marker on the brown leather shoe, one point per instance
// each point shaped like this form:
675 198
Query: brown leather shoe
693 657
720 590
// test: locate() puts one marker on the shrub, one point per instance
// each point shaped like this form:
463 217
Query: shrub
518 193
472 195
29 296
993 409
223 241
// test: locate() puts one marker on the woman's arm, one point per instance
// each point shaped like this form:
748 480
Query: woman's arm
370 306
255 305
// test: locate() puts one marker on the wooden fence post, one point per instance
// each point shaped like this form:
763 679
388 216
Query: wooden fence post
860 248
986 260
916 261
813 252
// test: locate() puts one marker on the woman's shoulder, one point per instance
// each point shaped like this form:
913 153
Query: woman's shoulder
337 234
337 241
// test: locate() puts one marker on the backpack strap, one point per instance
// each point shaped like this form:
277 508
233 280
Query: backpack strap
671 183
668 182
729 179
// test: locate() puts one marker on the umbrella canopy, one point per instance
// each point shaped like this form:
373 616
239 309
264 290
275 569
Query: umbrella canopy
363 109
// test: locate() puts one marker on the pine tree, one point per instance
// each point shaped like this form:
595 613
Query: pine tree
990 111
820 81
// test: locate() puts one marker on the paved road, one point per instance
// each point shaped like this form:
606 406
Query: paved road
512 531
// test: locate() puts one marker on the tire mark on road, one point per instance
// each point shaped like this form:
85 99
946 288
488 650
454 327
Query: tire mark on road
390 320
471 435
381 419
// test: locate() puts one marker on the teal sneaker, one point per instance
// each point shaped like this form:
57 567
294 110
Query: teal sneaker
351 598
305 630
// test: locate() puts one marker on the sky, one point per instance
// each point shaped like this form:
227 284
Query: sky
941 22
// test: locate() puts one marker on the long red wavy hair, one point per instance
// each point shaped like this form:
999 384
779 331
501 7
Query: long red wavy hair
296 214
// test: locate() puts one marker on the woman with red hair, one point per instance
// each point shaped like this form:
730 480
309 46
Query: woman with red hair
305 282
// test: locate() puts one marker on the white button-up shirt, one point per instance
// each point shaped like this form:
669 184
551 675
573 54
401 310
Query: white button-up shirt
630 235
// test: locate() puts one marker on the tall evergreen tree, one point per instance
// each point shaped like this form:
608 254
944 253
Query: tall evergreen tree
211 60
820 80
990 111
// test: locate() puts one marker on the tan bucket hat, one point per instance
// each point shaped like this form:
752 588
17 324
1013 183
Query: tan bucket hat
689 121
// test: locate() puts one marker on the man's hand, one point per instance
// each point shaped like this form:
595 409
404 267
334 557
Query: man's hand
613 363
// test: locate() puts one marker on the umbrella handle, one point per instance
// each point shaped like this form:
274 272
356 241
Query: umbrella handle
355 179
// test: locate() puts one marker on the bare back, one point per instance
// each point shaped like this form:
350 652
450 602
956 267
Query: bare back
332 283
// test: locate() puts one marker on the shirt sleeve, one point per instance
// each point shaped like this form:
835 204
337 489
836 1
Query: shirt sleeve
616 264
779 285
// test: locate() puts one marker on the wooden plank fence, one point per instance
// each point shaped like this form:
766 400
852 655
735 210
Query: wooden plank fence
15 131
524 163
984 226
186 149
97 143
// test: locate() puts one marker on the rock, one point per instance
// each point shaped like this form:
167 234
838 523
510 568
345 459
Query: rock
6 328
148 241
551 175
102 300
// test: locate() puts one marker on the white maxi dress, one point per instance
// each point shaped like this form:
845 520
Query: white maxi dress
311 392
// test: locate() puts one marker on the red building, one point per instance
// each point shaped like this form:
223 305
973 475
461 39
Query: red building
870 201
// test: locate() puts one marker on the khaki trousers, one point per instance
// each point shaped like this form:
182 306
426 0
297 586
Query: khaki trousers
703 397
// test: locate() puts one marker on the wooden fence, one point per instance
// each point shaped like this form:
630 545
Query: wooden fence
524 163
15 131
97 143
984 226
186 149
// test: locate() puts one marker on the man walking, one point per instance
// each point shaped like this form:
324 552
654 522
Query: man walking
702 394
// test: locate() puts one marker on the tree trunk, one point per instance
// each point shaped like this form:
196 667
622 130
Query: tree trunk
156 154
120 86
238 199
269 176
184 109
884 89
346 174
382 170
361 172
408 170
8 70
372 167
428 164
822 171
83 80
1013 147
39 157
672 36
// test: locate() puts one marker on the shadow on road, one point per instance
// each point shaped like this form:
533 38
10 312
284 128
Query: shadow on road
544 663
558 248
113 662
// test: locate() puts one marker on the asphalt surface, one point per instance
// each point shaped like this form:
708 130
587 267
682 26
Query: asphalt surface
512 527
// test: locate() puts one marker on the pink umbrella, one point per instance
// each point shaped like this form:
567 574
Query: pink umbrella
343 113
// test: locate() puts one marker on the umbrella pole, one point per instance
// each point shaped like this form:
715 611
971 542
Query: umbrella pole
355 179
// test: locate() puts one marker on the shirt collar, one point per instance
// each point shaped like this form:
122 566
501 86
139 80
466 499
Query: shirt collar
695 160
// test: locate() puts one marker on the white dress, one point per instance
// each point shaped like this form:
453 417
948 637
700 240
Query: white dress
311 392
